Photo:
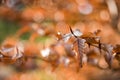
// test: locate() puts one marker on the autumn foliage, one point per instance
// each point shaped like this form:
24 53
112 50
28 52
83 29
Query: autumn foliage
61 39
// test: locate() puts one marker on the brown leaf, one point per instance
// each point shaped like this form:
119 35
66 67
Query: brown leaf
91 38
117 48
66 37
108 48
79 46
117 51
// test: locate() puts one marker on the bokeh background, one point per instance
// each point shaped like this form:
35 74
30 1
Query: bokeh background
35 23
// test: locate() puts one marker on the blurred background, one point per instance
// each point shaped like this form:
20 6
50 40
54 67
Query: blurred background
34 23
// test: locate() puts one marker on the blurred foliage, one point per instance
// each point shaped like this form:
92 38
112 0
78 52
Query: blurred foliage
7 28
25 36
53 39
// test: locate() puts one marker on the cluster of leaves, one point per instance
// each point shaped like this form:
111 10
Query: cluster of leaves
82 42
44 41
71 47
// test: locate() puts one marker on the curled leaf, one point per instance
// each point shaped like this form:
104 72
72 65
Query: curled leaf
108 48
18 53
67 36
